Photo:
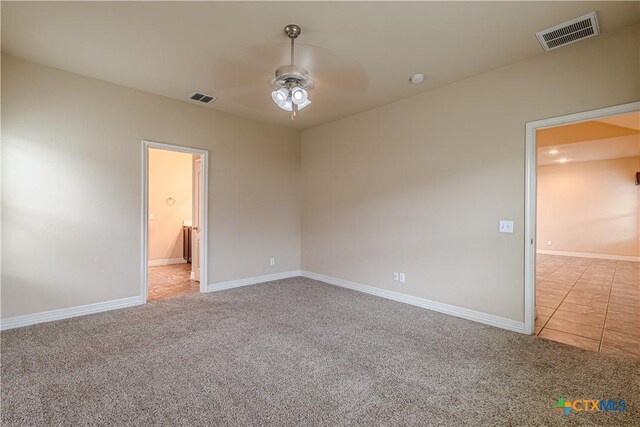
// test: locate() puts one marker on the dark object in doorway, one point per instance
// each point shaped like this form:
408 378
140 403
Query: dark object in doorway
186 243
637 178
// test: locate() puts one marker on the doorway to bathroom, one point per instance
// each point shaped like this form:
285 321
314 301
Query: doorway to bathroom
174 221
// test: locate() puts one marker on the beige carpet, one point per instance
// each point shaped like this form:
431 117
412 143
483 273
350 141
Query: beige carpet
298 352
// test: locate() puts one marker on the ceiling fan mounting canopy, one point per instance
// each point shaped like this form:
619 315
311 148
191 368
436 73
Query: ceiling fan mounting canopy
292 31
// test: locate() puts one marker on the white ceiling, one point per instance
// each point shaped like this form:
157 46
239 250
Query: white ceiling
360 53
618 147
589 151
627 120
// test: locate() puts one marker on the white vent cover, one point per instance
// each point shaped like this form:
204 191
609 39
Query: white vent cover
201 97
569 32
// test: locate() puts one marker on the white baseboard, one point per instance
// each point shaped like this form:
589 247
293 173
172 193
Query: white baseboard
477 316
589 255
192 276
65 313
212 287
465 313
170 261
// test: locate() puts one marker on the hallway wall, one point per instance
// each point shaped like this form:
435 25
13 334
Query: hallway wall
590 207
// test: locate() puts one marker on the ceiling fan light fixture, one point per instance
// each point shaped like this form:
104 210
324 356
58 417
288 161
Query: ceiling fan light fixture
288 105
280 96
282 99
304 104
299 96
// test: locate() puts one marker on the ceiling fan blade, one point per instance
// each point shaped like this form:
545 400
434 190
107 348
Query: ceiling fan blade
244 76
252 65
331 70
257 65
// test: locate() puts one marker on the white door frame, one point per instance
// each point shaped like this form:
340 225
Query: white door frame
204 194
530 197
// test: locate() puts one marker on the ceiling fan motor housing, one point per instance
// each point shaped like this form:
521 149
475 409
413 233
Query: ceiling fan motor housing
292 75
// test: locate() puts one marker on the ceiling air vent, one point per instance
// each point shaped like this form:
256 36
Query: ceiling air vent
569 32
201 97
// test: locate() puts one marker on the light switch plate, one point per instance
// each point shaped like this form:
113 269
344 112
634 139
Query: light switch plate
506 226
152 217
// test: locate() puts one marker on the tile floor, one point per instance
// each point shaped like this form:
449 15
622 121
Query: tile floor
589 303
169 281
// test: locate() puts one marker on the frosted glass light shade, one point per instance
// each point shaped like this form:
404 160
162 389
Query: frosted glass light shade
280 96
299 96
285 99
304 104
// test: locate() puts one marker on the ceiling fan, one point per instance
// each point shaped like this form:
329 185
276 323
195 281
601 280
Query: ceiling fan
244 76
292 82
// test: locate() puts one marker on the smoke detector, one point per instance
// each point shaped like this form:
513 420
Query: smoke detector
417 78
572 31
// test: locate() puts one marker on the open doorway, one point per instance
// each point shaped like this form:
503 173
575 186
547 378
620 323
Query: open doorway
583 229
174 221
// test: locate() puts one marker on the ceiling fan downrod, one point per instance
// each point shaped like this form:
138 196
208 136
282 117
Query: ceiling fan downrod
292 31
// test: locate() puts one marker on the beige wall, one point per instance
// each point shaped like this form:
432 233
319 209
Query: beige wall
590 207
72 188
418 186
170 176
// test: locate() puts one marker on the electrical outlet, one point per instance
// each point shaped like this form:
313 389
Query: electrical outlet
152 217
403 278
396 276
548 242
272 261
